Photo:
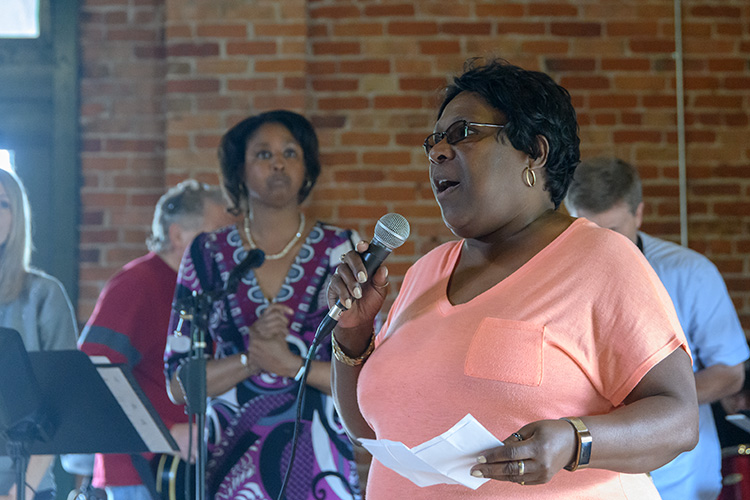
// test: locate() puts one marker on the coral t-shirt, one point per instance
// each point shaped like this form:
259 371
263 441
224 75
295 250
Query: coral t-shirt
570 333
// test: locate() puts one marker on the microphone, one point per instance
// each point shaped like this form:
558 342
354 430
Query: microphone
391 232
253 259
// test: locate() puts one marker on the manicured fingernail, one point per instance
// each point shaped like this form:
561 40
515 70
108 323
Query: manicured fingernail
481 459
361 277
348 303
357 292
477 473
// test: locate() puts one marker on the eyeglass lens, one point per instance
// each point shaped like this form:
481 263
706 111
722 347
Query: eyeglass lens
453 134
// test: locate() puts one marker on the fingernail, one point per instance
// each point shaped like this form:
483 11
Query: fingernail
477 473
361 277
385 271
481 459
348 303
357 292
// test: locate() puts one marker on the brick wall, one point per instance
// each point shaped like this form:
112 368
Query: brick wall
122 135
163 79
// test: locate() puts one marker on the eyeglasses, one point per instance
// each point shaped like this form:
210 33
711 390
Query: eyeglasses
457 132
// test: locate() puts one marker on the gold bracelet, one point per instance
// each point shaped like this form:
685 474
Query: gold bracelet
343 358
583 447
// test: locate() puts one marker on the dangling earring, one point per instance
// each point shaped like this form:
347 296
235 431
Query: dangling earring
529 176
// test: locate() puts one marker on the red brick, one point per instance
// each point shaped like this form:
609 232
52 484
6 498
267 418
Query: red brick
552 10
334 84
387 158
659 101
651 46
251 48
338 158
626 136
222 30
728 64
716 11
737 83
358 29
131 35
368 211
360 176
439 47
412 28
191 86
334 12
499 10
364 139
367 66
280 66
612 101
545 47
421 83
718 101
576 29
340 103
392 10
521 28
585 82
192 49
389 193
735 208
729 29
280 29
560 64
463 28
628 29
625 64
336 48
397 102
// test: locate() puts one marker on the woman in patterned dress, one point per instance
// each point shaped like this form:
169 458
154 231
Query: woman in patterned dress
258 337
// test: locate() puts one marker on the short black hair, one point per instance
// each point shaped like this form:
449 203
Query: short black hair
234 145
601 183
534 105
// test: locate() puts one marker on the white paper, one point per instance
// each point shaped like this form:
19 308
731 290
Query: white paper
133 407
445 459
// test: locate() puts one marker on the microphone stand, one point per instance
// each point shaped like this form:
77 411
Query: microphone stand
192 375
193 379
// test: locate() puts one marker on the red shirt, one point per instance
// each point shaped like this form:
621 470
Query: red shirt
129 325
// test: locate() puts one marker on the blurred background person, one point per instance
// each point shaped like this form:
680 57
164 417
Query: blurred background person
130 320
525 322
607 191
37 306
258 336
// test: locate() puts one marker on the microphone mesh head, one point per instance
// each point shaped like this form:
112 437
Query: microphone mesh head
392 230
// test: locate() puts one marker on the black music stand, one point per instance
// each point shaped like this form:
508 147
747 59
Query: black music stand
84 408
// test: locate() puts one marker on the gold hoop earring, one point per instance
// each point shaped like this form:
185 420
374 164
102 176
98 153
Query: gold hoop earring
529 176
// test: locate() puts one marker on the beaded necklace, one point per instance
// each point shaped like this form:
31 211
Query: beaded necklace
288 246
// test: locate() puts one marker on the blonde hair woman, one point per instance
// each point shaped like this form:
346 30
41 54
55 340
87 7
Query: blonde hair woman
33 303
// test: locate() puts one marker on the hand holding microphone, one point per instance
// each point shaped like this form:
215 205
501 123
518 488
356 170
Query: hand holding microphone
360 284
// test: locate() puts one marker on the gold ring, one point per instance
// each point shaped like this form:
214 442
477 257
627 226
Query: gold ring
342 257
380 287
521 468
523 482
517 436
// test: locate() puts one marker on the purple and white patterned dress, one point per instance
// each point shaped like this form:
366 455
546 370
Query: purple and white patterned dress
250 427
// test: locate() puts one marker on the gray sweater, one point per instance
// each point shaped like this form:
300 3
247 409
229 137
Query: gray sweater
44 317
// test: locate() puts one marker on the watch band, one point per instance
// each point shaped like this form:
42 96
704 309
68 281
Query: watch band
583 449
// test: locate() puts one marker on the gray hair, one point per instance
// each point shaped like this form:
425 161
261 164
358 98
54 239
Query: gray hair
182 204
601 183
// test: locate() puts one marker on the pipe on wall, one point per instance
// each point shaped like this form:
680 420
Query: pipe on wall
680 94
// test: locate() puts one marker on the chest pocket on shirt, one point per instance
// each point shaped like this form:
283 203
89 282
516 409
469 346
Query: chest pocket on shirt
507 351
